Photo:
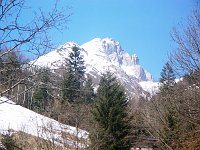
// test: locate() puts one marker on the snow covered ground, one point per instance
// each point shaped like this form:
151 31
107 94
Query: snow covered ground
150 86
17 118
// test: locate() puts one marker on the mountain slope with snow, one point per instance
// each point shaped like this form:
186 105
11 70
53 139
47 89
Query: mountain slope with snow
150 86
17 118
107 54
101 55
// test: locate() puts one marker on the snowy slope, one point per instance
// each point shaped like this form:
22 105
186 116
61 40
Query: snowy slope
150 86
101 55
18 118
107 53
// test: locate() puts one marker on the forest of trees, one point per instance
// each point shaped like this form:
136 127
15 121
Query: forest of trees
170 120
172 116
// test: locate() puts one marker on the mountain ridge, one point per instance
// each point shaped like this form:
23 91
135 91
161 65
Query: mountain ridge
101 55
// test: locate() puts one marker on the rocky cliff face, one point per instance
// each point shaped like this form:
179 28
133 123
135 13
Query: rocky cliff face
110 52
101 55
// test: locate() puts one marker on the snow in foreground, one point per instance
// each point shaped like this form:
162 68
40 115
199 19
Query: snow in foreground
18 118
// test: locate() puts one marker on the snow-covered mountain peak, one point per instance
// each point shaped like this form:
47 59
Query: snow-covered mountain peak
106 45
101 55
66 47
135 59
111 48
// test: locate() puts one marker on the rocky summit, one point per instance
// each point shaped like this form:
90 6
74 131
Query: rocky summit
101 55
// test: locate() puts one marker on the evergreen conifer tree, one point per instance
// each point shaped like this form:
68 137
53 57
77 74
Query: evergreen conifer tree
167 77
74 77
41 95
166 99
88 92
112 131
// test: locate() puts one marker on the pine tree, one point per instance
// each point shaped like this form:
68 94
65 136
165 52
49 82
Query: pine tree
88 92
74 77
171 127
42 94
167 77
69 88
110 115
166 99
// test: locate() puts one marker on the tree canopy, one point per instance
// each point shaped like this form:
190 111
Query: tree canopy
110 116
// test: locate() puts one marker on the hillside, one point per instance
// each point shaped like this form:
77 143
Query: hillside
17 119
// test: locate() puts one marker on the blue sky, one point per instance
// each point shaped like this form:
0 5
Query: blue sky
141 26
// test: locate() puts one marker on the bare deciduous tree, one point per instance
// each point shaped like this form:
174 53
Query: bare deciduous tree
26 36
186 59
